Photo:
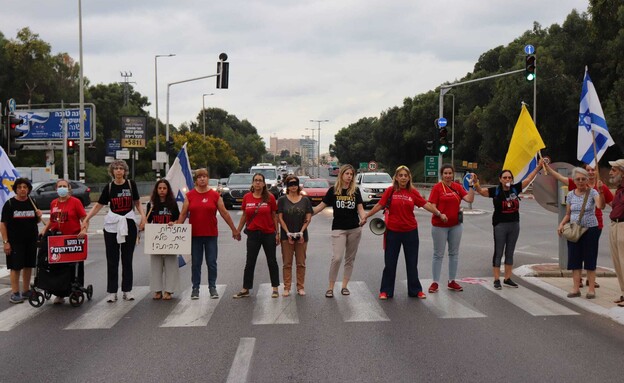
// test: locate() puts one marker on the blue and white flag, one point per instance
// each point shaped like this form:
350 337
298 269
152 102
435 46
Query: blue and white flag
8 174
591 119
180 176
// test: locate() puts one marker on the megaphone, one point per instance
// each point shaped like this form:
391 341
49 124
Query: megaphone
377 226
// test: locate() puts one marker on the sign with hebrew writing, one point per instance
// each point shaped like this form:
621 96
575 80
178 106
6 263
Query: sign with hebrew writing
66 248
164 239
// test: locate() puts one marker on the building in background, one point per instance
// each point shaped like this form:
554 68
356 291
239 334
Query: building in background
306 147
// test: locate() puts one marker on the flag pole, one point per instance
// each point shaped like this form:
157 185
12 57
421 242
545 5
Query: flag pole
596 168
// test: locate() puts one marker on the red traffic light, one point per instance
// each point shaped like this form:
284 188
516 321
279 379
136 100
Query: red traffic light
70 144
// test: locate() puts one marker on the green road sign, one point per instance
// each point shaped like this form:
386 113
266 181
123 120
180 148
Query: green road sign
431 166
363 165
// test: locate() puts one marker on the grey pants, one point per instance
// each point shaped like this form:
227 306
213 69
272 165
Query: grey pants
164 267
505 238
344 244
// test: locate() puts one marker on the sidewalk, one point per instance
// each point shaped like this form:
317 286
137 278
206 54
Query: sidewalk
549 277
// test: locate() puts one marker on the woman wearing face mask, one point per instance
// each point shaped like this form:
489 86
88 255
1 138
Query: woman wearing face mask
506 220
66 216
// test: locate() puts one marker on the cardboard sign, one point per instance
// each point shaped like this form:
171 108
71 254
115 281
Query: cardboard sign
164 239
66 248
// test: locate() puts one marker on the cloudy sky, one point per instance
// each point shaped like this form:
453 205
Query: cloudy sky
291 61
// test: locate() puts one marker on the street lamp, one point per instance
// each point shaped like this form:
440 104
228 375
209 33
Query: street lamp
318 153
452 130
204 110
156 86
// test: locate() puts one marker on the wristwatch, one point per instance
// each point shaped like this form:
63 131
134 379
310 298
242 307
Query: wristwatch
5 242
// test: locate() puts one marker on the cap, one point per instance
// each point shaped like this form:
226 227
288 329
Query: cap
619 163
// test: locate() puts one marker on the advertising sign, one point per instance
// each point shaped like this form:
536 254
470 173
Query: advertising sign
66 248
112 146
133 132
47 124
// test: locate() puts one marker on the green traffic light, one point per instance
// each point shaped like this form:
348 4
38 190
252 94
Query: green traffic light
443 148
530 76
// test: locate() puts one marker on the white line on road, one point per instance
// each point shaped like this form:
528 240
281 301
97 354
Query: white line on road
448 304
242 361
196 313
530 301
267 310
361 305
18 314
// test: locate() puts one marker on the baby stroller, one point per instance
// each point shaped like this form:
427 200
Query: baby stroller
62 277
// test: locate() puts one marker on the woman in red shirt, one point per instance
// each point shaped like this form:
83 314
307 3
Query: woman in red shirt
399 201
259 215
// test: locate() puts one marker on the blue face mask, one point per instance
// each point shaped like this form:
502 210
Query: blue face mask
62 191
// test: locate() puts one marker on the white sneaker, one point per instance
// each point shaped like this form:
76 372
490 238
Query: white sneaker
128 296
111 298
59 300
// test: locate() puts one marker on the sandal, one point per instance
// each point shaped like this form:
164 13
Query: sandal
329 294
286 293
620 300
345 291
157 295
275 294
167 296
301 292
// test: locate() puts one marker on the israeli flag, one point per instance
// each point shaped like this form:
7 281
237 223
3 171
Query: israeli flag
591 119
526 170
180 176
8 174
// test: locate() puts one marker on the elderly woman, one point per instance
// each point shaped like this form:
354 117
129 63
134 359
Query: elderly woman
20 217
120 229
584 253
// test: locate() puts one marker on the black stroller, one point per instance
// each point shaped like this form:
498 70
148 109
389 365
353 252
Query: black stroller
63 279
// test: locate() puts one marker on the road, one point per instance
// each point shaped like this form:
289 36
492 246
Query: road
478 335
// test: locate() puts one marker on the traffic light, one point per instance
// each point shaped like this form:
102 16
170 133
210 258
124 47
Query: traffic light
442 139
170 147
429 145
71 147
13 133
223 72
529 67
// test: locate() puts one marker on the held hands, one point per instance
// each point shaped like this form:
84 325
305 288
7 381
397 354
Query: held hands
443 217
236 235
363 221
83 233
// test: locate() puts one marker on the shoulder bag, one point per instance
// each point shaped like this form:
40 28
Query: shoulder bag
572 231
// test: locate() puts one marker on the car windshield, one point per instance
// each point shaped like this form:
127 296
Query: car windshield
316 184
213 182
376 178
268 174
240 179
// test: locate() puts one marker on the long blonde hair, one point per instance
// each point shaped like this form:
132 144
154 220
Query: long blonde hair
338 185
395 182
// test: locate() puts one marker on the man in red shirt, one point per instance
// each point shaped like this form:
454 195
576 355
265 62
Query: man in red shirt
616 234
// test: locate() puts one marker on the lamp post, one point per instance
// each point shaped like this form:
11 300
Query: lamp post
311 153
81 155
318 153
156 104
204 110
452 130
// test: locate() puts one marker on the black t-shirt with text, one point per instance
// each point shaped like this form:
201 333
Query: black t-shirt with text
21 220
162 213
345 208
506 203
120 198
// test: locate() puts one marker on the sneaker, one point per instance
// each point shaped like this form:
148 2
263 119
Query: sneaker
383 296
421 295
195 294
26 295
59 300
433 288
452 285
111 298
497 285
16 298
510 283
128 296
213 293
241 294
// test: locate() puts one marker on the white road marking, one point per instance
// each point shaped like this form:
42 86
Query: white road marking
530 301
361 305
448 304
193 313
267 310
18 314
242 361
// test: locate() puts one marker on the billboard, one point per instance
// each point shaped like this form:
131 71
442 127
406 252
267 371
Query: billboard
47 124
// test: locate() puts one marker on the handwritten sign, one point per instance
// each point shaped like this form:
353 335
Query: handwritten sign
165 239
66 248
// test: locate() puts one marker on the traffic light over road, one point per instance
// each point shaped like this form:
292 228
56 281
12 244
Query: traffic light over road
223 71
13 133
170 147
442 139
529 68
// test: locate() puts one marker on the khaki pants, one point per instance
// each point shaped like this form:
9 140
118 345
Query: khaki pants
298 250
616 240
344 244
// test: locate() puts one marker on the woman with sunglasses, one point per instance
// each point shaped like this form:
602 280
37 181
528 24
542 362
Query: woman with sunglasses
399 201
259 217
294 212
345 199
505 220
584 253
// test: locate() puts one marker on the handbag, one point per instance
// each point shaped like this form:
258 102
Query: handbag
460 216
573 231
246 230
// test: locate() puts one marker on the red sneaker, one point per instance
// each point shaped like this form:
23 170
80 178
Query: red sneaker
383 296
433 288
452 285
421 295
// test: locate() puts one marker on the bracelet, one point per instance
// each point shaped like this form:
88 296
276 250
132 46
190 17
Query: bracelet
5 242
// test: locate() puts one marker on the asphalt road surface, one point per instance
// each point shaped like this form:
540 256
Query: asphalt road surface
478 335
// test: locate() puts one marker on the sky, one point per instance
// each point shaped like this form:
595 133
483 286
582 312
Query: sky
290 61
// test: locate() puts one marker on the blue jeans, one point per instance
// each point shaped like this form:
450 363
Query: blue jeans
440 236
394 240
199 245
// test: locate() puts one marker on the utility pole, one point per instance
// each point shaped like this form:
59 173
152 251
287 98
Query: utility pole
318 153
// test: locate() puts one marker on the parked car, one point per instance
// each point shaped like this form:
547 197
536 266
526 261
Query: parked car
213 183
372 186
334 171
315 189
302 179
44 192
238 185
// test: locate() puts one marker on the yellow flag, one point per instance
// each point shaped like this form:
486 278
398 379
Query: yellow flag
524 145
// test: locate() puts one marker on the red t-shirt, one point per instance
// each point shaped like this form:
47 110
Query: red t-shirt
65 216
263 219
202 210
608 197
401 216
447 200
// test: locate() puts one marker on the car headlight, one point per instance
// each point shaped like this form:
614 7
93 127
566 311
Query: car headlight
303 192
367 190
225 190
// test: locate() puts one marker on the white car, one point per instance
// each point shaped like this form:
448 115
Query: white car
372 186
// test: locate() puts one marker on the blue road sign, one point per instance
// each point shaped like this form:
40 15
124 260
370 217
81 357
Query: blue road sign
442 122
112 146
11 105
47 125
529 49
466 181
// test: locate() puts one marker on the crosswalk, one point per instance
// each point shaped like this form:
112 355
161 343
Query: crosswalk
362 305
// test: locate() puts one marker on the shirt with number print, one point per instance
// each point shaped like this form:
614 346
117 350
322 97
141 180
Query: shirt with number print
345 208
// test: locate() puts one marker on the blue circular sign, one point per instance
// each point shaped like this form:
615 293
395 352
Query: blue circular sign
466 181
529 49
442 122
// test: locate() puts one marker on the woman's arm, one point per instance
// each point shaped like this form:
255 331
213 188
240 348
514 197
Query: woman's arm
227 218
139 208
243 219
599 199
184 211
559 177
277 231
434 210
280 217
94 210
566 219
531 176
318 208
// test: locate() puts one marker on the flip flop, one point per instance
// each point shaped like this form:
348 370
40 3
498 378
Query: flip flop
329 294
167 296
619 300
345 291
157 296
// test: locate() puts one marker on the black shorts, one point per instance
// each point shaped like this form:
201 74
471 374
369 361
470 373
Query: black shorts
23 254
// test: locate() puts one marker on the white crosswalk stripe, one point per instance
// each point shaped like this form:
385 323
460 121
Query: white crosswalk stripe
193 313
530 301
105 314
267 310
448 304
18 314
361 305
